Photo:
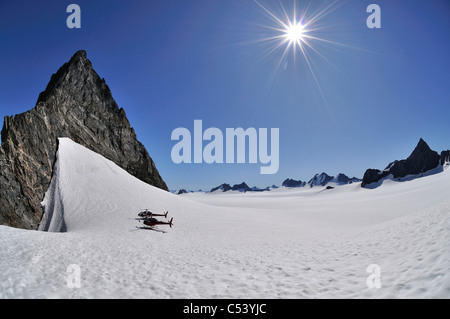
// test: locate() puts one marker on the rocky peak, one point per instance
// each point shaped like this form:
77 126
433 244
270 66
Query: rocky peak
76 104
224 188
421 160
320 179
421 152
71 73
242 187
288 182
77 78
343 179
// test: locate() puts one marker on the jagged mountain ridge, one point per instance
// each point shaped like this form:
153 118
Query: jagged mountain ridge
78 104
322 179
422 160
242 187
223 187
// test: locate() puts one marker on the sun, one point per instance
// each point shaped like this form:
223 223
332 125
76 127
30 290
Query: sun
298 33
295 33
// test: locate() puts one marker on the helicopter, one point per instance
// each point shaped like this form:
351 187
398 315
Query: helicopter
151 222
148 213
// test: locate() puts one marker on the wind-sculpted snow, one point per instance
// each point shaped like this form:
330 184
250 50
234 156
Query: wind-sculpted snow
286 243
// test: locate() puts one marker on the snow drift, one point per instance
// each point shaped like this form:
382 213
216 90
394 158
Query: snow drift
287 243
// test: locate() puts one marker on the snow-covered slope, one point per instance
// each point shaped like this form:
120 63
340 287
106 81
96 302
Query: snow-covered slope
287 243
89 192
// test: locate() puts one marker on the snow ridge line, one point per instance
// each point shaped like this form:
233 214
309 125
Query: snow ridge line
53 217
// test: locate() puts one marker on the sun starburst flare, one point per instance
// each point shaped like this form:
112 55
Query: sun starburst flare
297 32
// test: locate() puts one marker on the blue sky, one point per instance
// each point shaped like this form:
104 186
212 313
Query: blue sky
170 62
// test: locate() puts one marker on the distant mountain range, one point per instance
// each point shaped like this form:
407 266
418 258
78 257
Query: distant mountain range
322 179
242 187
422 161
318 180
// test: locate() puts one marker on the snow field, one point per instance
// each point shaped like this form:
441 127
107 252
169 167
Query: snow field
285 243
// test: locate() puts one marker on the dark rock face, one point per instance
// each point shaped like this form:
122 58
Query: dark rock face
343 179
77 104
372 176
293 183
320 180
445 157
224 188
242 187
421 160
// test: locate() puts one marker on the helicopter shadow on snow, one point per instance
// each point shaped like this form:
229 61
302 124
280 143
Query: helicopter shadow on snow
148 228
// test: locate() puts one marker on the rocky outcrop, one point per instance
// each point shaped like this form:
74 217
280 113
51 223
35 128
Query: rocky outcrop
445 157
421 160
224 188
293 183
342 179
242 187
77 104
320 180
